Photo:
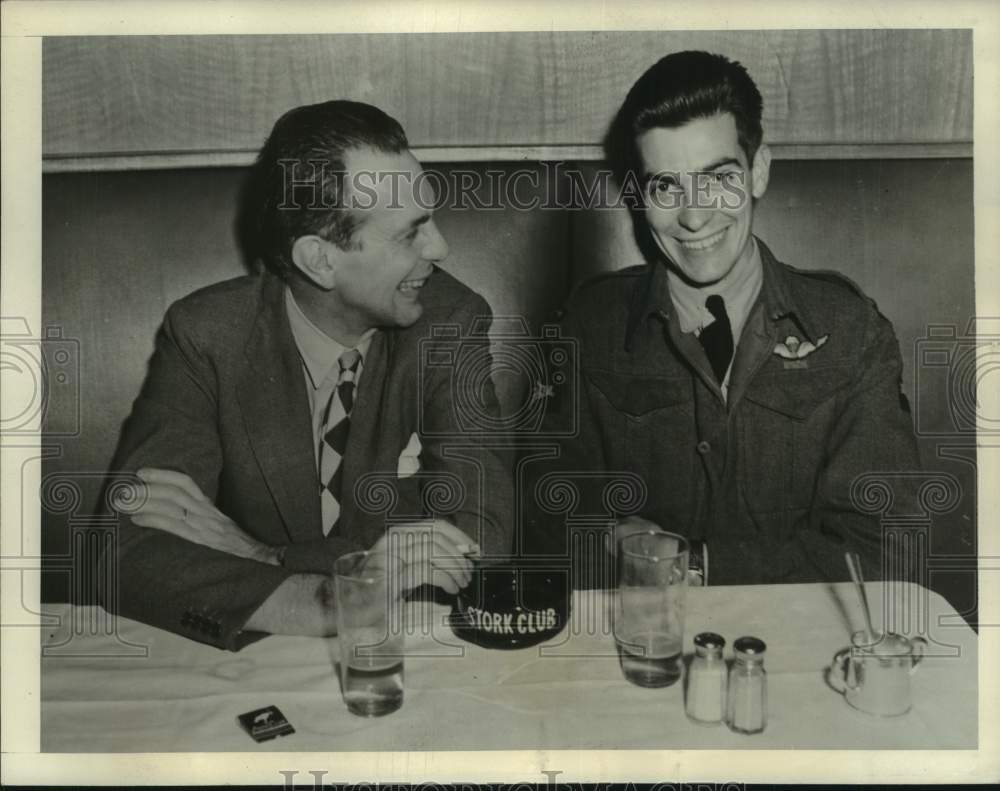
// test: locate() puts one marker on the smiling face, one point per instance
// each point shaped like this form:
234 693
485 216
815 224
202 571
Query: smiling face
395 243
699 210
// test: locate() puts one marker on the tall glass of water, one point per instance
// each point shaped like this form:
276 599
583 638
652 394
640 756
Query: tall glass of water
649 607
370 633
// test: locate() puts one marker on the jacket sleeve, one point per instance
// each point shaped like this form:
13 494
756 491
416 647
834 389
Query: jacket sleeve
458 402
164 580
872 440
565 470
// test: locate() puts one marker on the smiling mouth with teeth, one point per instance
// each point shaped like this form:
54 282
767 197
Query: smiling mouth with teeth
412 285
703 244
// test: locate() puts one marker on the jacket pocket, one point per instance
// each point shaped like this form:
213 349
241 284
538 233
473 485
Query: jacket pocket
647 427
785 424
637 396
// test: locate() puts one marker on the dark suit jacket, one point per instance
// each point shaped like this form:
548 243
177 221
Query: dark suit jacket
225 402
766 478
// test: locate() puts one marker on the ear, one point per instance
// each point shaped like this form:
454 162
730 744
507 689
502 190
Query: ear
315 258
761 170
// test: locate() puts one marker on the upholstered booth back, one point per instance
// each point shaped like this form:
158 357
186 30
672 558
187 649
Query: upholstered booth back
118 248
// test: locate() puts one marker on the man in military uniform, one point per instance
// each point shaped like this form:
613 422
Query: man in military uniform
747 395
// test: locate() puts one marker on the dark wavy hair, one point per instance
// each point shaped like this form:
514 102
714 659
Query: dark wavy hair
296 187
679 88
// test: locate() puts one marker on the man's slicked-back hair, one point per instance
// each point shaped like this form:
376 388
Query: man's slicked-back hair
677 89
298 179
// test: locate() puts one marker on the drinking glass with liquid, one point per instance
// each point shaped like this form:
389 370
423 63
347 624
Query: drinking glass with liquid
370 633
649 607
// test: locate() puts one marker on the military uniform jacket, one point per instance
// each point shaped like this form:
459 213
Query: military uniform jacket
765 478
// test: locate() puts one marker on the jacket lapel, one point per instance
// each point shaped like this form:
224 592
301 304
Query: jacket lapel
652 299
277 417
364 438
761 333
755 346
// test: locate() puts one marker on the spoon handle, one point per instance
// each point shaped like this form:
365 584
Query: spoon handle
854 567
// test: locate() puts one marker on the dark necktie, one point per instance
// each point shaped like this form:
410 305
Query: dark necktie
333 442
717 338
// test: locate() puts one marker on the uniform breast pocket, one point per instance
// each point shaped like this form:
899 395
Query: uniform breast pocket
786 425
647 425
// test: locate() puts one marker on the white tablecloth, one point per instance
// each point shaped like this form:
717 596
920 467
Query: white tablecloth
118 686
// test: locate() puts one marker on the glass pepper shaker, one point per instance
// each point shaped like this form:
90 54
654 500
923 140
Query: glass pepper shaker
747 705
706 691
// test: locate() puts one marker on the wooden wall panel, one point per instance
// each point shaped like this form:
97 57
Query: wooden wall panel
215 95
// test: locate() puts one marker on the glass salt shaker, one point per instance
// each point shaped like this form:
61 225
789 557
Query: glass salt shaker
706 692
747 706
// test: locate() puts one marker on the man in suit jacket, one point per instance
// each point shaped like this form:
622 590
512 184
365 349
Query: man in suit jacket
751 399
239 431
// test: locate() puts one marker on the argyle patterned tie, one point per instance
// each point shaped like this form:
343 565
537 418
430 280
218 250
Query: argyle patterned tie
717 337
333 441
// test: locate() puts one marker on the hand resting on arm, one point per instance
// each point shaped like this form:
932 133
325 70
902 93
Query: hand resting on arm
432 552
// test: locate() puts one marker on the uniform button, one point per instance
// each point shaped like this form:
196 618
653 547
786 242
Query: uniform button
704 447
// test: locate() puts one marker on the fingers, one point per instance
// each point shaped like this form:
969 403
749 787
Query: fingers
442 547
450 572
449 540
446 581
424 558
408 575
167 524
169 500
631 525
636 524
413 575
424 554
460 541
205 532
172 478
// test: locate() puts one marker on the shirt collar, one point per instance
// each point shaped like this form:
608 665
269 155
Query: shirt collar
738 289
651 296
319 352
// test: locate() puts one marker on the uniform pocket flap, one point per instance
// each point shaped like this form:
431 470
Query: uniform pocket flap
797 393
638 395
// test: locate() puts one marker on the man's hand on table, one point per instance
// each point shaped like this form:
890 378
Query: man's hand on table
434 552
175 504
631 525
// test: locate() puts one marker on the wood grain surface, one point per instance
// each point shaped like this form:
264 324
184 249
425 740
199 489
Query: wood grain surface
219 95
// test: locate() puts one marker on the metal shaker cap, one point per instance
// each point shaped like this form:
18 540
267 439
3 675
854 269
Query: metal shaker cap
749 648
706 643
